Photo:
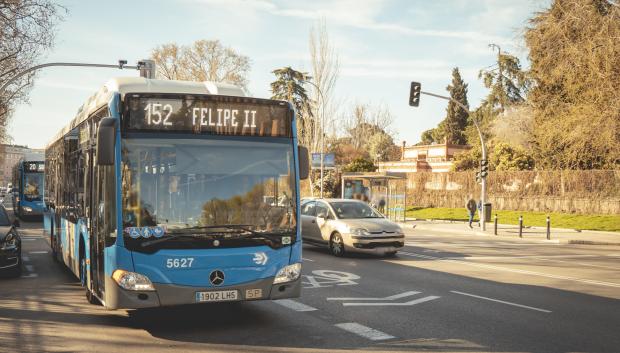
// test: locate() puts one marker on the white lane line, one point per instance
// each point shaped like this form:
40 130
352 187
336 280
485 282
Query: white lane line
37 252
32 275
409 303
303 258
366 332
392 297
30 268
501 301
25 258
294 305
28 239
514 270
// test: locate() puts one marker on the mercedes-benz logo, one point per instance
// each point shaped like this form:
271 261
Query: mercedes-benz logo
216 277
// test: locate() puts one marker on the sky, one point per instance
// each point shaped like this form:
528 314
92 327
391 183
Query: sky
382 46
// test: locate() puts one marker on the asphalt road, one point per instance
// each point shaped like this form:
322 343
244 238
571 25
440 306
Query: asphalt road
442 293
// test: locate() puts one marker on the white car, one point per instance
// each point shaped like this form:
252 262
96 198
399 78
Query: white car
345 225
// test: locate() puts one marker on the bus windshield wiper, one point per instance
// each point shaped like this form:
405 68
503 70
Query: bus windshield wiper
175 236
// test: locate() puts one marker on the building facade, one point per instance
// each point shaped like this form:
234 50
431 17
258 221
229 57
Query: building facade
436 158
10 155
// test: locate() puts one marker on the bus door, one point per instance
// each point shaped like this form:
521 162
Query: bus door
97 237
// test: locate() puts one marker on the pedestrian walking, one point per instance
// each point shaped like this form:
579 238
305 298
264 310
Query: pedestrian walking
471 210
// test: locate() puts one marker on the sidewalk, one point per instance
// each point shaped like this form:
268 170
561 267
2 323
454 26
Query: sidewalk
558 235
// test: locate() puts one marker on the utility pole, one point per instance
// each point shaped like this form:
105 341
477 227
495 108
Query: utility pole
146 67
322 130
414 100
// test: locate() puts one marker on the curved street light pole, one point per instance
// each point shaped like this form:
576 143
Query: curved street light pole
146 67
322 129
483 191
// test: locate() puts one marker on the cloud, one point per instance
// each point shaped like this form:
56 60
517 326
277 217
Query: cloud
350 13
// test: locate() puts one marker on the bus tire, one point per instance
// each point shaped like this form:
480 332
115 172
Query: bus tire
90 297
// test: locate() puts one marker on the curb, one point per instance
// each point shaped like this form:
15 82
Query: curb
591 242
482 234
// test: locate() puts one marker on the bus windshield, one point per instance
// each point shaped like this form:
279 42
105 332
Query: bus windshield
33 186
192 182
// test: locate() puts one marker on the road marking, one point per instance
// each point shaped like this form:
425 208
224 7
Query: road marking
303 258
30 268
514 270
501 301
32 275
294 305
28 239
392 297
37 252
25 258
328 278
366 332
409 303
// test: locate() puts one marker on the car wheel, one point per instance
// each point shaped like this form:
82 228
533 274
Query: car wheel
336 245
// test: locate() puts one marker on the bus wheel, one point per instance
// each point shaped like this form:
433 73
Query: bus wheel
83 271
336 245
90 297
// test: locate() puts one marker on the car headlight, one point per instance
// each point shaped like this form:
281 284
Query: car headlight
27 209
288 273
9 243
360 232
132 281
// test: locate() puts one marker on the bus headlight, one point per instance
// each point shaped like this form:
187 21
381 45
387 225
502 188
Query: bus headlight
132 281
27 209
288 273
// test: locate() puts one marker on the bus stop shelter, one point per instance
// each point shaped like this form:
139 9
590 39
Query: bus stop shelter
385 191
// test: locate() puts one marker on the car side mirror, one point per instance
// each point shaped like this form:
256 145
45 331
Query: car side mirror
16 223
304 162
106 139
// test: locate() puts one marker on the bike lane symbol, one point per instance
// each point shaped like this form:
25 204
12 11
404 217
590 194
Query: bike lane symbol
329 278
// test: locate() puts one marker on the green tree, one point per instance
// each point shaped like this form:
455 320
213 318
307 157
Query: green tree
507 82
468 160
456 118
575 63
381 147
507 157
360 165
289 86
452 128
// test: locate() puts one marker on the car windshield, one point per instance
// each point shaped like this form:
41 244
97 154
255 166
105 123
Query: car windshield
194 182
350 210
33 186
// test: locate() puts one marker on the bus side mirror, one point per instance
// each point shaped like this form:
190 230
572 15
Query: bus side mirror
106 139
304 162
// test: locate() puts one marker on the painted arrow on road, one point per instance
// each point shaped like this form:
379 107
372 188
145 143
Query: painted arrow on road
390 302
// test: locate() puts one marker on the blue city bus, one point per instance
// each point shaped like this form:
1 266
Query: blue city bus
28 188
162 193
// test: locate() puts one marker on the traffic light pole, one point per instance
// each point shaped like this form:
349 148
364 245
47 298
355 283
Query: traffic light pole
483 192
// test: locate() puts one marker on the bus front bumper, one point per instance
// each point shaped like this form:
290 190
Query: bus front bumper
170 294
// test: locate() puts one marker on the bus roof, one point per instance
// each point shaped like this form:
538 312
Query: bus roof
124 85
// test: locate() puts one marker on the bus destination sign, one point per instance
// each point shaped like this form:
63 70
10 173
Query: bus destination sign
32 167
216 115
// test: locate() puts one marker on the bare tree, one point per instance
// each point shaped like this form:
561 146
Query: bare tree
204 60
27 30
364 121
325 70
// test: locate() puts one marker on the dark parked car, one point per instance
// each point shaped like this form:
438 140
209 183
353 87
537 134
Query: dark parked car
10 246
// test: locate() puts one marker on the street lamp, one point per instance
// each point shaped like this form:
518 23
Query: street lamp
322 129
146 67
414 101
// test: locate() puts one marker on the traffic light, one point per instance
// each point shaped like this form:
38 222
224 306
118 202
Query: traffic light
484 168
414 94
478 178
